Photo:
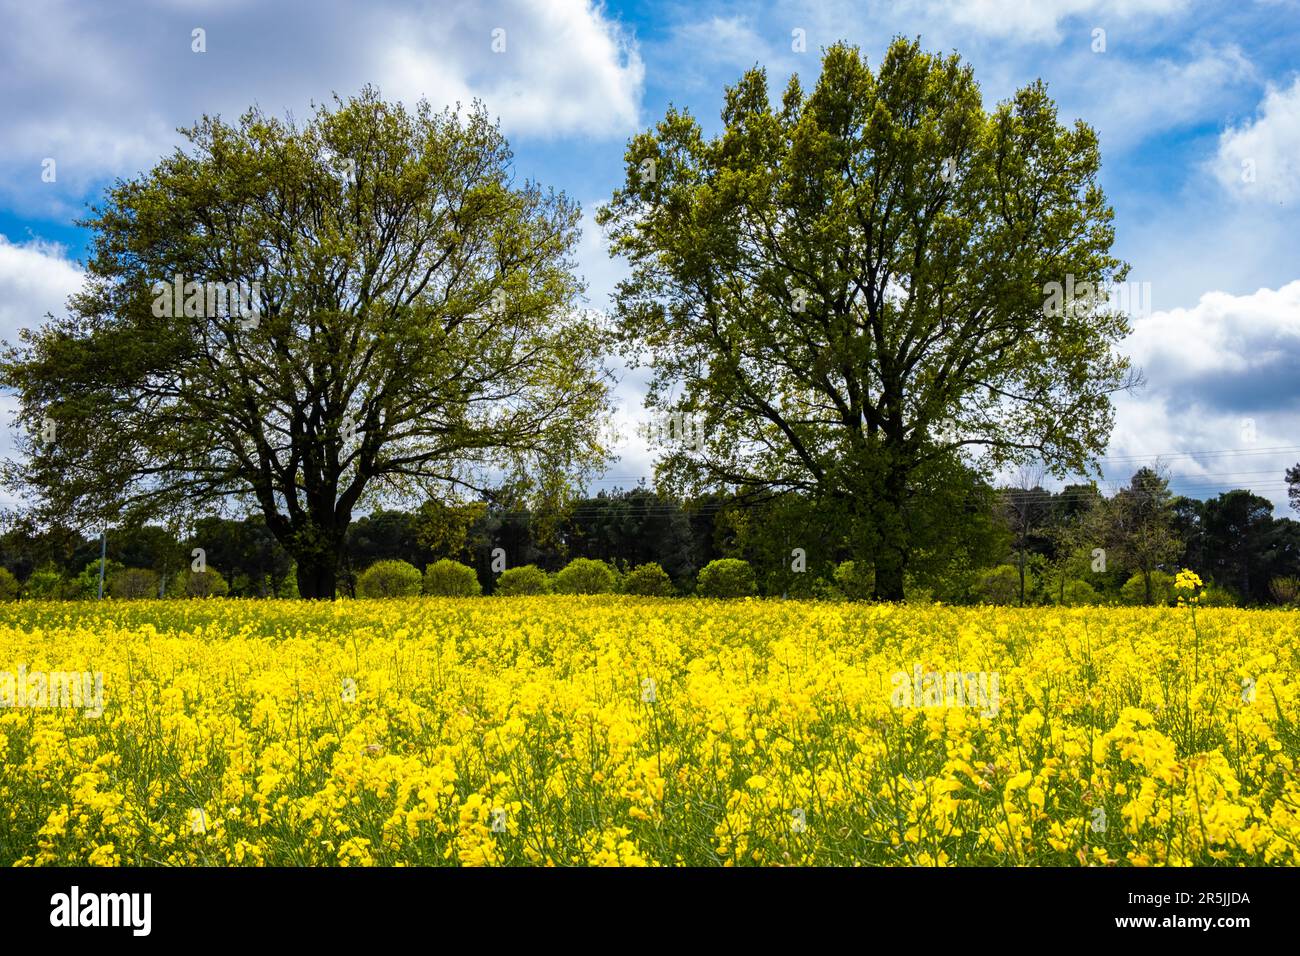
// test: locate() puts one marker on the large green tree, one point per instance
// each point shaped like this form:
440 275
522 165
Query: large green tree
307 319
1244 542
851 288
1142 528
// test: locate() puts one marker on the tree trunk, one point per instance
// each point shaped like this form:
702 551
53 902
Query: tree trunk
895 549
319 553
889 575
317 576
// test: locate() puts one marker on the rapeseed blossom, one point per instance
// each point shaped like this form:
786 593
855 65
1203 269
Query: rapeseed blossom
431 731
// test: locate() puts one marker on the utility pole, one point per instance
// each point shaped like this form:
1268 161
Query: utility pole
103 555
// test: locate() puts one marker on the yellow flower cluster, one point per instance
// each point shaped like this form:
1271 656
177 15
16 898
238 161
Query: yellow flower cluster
630 732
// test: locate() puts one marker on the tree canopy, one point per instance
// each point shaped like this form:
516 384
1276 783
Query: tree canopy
305 318
849 291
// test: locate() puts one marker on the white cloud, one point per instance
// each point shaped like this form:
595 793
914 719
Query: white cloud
35 278
102 91
1128 101
545 66
1261 158
1222 400
1222 337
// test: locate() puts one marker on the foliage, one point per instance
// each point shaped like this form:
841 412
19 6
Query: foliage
1215 596
1001 585
855 579
134 584
289 586
1160 591
636 527
387 579
844 291
523 580
85 586
1076 593
726 578
413 321
447 578
1241 541
1080 539
445 529
1285 590
1141 530
585 576
44 583
198 584
648 580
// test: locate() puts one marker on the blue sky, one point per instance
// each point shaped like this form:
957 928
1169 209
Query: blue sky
1187 96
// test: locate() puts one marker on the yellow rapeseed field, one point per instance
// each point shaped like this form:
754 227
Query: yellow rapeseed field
621 731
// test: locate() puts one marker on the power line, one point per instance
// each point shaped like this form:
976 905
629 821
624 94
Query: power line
1275 450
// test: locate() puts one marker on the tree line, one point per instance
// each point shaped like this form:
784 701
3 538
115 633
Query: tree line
1008 545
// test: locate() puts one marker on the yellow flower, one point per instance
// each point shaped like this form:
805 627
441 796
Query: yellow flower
476 732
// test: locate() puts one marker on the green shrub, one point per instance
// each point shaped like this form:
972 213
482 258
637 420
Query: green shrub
824 590
1001 585
648 580
447 578
387 579
915 594
526 579
802 586
1285 590
132 584
856 580
1078 593
85 586
8 585
585 576
198 584
726 578
45 583
1214 596
1134 592
289 586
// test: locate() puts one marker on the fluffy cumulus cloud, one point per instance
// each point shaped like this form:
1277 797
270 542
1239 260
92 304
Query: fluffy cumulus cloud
1221 379
1260 159
102 92
544 66
36 278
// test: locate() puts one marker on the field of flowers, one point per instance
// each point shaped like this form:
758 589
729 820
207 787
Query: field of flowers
613 730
